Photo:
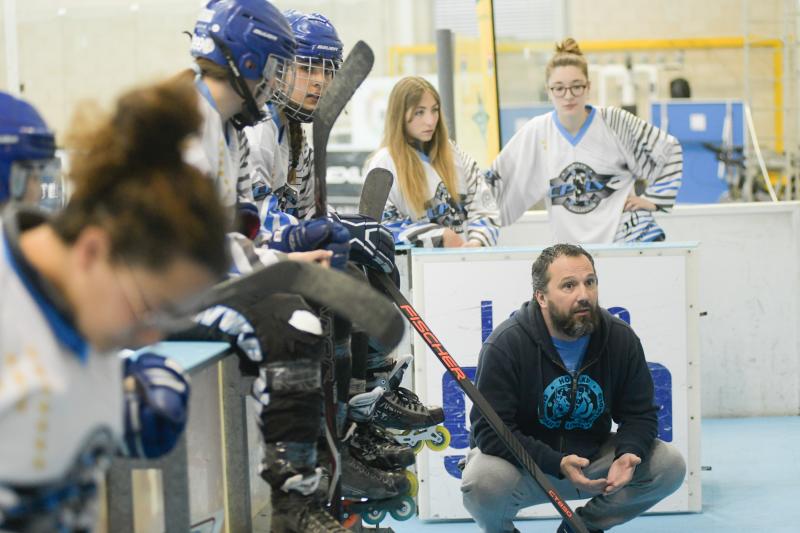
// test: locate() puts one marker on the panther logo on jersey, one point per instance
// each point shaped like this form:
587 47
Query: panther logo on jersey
579 188
589 403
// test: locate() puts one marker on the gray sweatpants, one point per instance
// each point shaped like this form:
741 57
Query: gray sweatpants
494 490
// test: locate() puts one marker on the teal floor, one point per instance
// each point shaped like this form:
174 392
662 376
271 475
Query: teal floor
753 485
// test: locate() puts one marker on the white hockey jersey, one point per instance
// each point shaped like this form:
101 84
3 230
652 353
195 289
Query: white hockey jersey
280 203
586 179
222 153
56 394
473 215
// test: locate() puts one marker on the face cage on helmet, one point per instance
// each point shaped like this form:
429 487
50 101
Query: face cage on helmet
278 75
38 182
312 77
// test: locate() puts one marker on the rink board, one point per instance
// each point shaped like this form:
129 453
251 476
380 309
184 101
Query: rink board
463 295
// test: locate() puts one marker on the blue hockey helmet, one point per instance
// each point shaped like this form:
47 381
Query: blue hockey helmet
318 57
29 170
253 39
315 35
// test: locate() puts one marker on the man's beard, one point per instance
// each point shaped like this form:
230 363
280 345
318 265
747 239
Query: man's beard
572 325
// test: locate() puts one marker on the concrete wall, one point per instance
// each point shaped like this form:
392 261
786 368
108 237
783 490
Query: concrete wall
96 48
749 281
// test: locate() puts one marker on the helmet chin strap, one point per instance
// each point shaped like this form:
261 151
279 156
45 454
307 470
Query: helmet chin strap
250 113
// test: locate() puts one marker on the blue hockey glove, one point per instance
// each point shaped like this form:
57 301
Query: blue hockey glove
371 244
156 405
316 234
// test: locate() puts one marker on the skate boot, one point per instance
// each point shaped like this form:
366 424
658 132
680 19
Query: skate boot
361 481
289 468
372 445
400 411
371 493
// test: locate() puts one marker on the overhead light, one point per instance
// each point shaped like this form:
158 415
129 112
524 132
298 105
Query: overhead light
61 11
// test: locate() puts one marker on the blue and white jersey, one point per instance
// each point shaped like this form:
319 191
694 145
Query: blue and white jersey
473 215
280 202
221 152
56 393
585 179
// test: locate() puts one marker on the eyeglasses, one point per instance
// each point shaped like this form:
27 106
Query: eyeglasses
576 90
166 318
142 312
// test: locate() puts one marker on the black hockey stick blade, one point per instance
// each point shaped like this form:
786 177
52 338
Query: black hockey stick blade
354 70
344 295
478 400
375 192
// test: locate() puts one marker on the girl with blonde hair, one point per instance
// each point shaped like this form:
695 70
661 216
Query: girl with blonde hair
439 197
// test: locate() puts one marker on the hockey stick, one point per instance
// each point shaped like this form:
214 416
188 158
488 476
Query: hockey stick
344 295
373 207
354 70
375 192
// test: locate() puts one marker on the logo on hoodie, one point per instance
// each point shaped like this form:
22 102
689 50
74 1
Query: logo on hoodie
556 405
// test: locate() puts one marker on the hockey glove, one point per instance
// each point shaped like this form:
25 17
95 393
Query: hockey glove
156 405
371 244
316 234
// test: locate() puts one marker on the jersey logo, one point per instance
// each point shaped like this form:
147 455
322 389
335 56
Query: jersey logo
589 403
579 188
443 210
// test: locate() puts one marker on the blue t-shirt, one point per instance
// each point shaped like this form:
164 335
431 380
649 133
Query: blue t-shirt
571 352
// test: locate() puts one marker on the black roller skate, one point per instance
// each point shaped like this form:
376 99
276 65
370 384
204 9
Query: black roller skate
371 493
400 411
290 470
372 445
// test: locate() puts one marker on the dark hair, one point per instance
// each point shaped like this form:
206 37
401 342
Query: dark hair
130 179
539 270
296 147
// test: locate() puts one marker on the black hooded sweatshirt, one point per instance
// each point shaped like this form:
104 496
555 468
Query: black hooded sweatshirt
553 413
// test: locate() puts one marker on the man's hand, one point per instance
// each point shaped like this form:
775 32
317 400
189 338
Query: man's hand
572 467
637 203
621 472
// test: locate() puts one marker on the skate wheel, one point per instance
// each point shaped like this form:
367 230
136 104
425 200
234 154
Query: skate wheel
442 440
406 510
418 447
374 517
414 482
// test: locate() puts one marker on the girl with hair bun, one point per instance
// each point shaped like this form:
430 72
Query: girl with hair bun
143 230
584 160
